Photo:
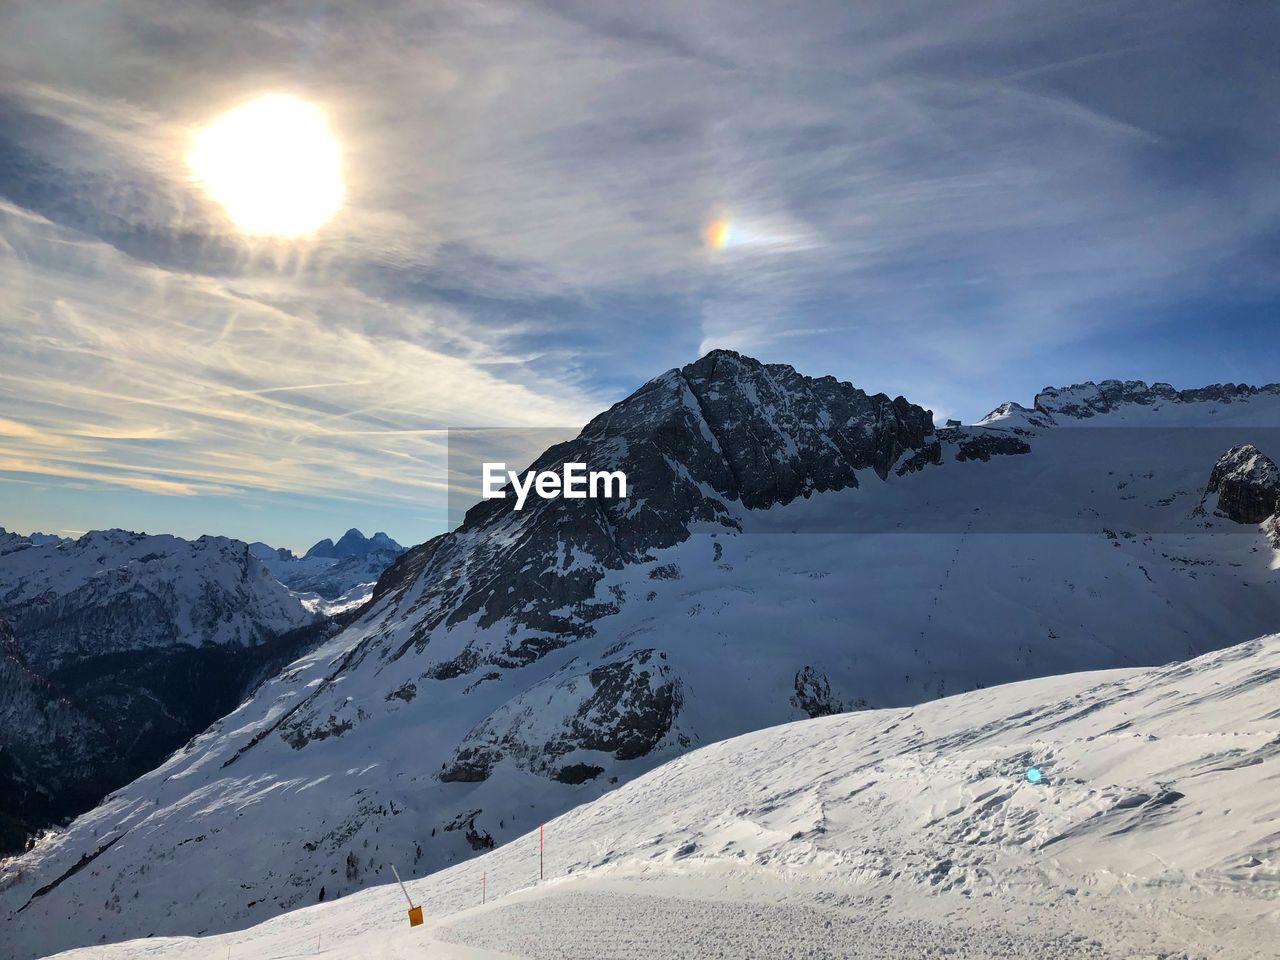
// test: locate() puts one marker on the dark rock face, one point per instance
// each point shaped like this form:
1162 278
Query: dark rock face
624 708
575 773
928 455
693 442
477 839
967 443
667 571
47 750
813 694
985 446
1247 484
783 435
69 737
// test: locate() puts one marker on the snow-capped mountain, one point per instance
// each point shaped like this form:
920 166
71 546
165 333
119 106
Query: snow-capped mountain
1117 402
10 541
342 573
791 547
898 833
117 647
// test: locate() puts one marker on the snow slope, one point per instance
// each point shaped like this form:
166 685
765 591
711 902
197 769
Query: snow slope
793 548
901 833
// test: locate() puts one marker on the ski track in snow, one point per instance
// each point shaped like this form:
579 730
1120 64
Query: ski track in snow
612 926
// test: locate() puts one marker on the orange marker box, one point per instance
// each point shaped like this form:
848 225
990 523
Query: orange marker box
415 916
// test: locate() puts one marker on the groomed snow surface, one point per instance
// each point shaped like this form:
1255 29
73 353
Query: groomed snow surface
898 833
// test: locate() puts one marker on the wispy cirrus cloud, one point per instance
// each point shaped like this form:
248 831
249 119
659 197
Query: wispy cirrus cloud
954 201
176 383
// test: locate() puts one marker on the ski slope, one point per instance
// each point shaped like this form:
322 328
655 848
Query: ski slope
896 833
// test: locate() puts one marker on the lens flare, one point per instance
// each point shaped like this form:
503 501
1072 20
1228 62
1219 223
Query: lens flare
272 164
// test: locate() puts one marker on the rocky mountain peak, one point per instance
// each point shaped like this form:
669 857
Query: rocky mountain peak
1247 483
697 444
323 548
1016 417
821 427
353 544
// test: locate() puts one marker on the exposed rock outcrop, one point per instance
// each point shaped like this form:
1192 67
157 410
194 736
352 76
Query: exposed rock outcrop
624 708
1247 483
813 694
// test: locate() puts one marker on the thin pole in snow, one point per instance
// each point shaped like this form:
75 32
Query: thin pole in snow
402 889
541 874
484 887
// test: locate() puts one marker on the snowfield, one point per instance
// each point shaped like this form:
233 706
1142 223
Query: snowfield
896 833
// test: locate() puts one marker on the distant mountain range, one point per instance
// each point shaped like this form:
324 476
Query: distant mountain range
117 647
342 573
114 650
792 547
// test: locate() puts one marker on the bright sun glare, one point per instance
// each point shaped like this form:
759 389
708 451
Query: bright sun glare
272 164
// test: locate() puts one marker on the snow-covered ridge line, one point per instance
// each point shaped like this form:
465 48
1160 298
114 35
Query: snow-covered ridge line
1089 400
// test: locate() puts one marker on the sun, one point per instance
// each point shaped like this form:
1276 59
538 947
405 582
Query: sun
272 164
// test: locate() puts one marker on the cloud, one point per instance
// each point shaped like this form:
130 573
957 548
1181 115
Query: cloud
181 384
941 200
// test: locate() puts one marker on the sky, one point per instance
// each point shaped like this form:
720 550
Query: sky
958 202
